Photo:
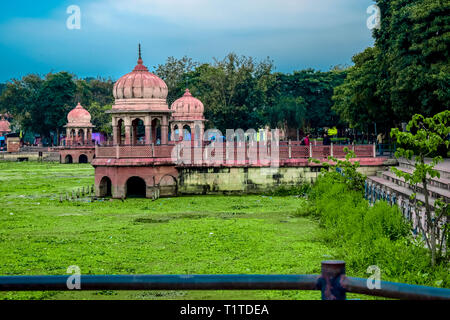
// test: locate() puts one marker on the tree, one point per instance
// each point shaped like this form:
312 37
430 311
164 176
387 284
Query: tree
55 101
172 72
423 139
21 99
357 100
234 91
406 72
414 55
99 118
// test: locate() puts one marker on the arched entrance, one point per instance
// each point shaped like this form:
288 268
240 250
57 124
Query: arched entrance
83 159
168 186
68 159
136 188
105 187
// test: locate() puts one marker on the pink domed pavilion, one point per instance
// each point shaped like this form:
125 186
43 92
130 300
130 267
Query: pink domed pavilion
78 147
140 114
78 127
188 115
139 161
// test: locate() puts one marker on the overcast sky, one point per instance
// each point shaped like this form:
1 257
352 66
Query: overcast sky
296 34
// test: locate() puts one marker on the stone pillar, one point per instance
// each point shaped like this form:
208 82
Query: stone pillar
127 134
164 130
116 136
148 129
76 139
172 133
164 134
148 134
134 134
68 136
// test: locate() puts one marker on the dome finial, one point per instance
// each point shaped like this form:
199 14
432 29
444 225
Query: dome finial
140 57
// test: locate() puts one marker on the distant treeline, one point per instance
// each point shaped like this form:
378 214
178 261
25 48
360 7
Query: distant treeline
237 92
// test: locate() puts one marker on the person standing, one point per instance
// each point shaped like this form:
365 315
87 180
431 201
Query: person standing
326 140
306 139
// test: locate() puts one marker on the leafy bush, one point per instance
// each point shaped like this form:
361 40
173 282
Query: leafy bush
297 190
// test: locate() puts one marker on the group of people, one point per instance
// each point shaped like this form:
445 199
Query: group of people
306 140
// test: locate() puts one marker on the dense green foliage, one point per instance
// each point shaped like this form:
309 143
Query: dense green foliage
40 105
372 235
239 92
408 70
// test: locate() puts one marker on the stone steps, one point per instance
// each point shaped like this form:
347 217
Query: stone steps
433 190
443 167
442 183
397 190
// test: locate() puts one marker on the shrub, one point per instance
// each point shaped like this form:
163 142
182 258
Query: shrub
297 190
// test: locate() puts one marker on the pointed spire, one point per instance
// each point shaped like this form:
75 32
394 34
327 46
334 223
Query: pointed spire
140 57
140 64
187 92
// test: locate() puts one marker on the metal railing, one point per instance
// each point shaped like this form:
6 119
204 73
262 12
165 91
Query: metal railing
333 283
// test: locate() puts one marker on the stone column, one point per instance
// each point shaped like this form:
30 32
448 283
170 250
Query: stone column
148 130
116 137
134 134
68 136
164 130
127 122
77 132
172 133
148 134
127 134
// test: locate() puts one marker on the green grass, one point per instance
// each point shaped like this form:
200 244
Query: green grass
184 235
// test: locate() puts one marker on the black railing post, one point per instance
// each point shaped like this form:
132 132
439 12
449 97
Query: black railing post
330 280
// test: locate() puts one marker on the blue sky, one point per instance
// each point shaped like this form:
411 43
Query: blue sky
296 34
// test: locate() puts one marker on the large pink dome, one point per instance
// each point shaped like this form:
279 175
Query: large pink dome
79 116
140 84
188 107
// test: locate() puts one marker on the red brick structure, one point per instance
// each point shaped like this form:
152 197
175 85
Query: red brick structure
143 162
139 162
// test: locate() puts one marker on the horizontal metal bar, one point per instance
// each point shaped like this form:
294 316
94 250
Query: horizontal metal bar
395 290
219 282
162 282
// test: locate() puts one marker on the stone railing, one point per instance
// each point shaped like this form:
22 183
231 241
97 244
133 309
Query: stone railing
221 152
134 151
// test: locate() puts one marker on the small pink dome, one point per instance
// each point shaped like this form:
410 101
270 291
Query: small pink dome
187 106
79 115
4 125
140 84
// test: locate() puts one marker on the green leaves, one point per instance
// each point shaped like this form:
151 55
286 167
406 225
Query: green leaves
406 72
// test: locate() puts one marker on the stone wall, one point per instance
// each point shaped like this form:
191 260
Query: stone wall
238 180
29 156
